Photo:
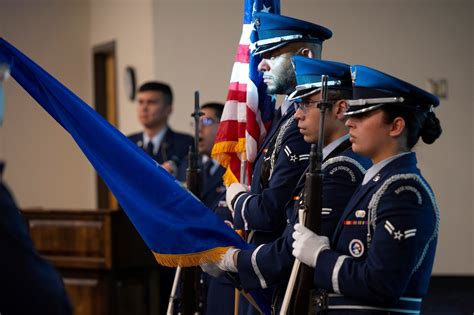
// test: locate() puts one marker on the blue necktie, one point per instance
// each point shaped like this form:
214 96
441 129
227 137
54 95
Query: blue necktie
149 148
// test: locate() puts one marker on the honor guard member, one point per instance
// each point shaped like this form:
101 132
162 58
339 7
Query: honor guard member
270 265
165 146
382 252
212 189
284 155
212 172
212 192
212 186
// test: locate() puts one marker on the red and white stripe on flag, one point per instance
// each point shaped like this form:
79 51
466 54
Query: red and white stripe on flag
241 129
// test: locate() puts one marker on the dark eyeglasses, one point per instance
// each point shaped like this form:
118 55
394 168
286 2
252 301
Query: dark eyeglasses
205 121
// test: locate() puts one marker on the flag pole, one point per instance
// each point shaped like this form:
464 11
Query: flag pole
243 181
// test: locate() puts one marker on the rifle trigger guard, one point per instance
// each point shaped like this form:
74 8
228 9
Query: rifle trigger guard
320 299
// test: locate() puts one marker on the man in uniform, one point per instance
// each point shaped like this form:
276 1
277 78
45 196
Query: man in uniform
155 104
269 265
284 154
212 186
211 193
212 172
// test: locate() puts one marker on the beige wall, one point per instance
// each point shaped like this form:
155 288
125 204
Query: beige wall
195 46
191 44
44 166
129 24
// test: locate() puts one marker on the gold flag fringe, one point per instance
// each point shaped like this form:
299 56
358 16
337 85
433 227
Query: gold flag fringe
222 152
190 260
229 177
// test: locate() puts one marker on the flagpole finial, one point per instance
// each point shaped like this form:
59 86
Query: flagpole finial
4 74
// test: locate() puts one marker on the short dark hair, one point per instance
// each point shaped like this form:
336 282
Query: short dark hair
158 87
340 94
217 107
337 95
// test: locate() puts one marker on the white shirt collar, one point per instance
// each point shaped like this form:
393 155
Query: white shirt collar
156 140
285 106
376 168
333 145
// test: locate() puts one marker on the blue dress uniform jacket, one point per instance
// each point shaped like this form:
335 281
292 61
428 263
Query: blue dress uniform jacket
29 285
174 146
217 288
212 190
270 264
212 186
220 291
383 248
280 162
262 209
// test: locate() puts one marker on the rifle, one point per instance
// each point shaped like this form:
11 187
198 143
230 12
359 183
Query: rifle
309 215
192 297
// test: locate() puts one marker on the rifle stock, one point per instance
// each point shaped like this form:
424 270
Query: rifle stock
311 216
191 303
304 281
192 297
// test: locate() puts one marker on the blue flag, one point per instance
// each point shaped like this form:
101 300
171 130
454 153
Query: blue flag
176 226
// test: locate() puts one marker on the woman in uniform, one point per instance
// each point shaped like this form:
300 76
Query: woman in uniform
380 258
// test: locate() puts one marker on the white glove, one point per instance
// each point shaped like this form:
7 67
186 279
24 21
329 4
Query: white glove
227 263
308 245
232 191
211 269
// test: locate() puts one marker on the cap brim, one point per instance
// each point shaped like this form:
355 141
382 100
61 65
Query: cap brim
356 110
303 93
263 49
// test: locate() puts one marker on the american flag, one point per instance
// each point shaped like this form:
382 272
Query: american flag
248 111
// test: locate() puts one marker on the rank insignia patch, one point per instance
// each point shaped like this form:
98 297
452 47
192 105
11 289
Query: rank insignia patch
398 234
294 157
